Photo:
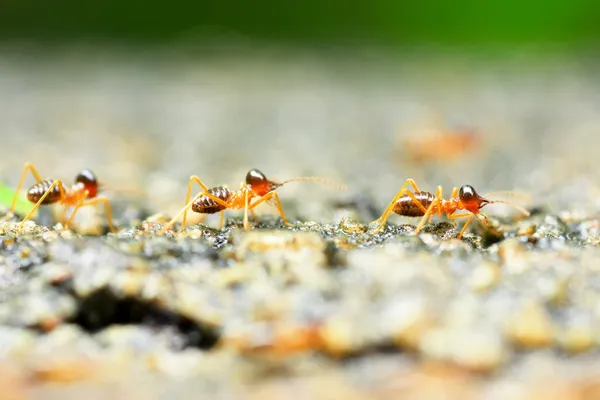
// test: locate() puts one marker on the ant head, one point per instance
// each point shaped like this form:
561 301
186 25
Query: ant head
470 199
88 179
259 183
473 202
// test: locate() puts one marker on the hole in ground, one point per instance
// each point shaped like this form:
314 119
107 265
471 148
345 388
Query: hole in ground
102 309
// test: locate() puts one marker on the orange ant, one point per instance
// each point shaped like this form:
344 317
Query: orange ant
220 198
438 142
82 193
446 144
425 204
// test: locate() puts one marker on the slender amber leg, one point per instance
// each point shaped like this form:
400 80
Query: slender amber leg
415 200
91 202
27 167
277 204
63 218
390 208
41 200
221 219
246 199
463 215
437 201
188 206
453 195
482 218
193 179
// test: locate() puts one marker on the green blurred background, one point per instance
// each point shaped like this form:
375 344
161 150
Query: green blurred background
499 24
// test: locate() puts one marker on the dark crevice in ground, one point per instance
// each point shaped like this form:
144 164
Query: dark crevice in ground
102 309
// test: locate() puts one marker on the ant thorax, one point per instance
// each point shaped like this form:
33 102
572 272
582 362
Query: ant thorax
451 205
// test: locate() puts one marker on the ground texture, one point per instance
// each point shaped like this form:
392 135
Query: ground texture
322 308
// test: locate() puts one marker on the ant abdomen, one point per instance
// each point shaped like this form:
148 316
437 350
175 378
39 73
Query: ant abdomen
206 205
35 193
406 206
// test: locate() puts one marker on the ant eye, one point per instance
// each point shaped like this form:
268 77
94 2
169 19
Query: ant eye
86 176
255 177
467 193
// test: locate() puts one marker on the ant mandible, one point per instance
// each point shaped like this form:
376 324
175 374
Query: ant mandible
82 193
427 205
220 198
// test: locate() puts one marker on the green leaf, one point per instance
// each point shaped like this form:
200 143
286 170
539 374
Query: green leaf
23 206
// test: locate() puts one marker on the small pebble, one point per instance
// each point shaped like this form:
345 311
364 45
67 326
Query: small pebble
531 327
478 351
485 276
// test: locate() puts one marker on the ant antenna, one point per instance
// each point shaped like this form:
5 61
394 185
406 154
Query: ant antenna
324 181
509 193
133 191
517 207
105 188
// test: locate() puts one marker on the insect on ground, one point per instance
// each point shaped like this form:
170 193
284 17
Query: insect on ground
83 193
436 141
426 205
255 187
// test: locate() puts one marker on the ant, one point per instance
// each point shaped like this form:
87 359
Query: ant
427 205
447 144
436 140
220 198
82 193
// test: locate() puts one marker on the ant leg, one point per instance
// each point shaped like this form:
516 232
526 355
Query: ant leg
174 219
390 208
27 167
248 208
193 179
91 202
482 218
252 212
453 195
246 199
454 192
438 194
415 200
63 217
188 206
221 219
463 215
277 204
400 193
437 201
404 193
428 214
41 200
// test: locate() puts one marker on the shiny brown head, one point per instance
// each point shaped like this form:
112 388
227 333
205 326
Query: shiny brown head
89 182
473 202
470 199
259 183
